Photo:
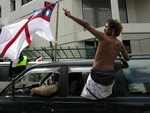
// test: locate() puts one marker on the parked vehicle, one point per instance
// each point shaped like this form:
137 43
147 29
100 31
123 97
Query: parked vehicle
131 91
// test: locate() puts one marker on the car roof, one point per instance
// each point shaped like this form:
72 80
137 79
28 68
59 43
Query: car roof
61 63
67 63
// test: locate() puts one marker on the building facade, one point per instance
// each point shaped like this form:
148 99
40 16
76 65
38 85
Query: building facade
134 14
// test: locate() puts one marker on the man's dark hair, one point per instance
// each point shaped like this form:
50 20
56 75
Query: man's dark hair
115 25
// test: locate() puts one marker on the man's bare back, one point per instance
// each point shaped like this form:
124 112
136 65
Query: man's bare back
106 53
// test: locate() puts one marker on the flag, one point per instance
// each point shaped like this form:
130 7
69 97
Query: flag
38 59
15 37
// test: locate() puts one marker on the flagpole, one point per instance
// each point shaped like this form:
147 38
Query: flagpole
57 20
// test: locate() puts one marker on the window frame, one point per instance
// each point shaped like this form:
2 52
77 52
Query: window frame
23 2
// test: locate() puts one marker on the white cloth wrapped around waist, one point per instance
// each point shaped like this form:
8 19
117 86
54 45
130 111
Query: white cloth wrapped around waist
94 91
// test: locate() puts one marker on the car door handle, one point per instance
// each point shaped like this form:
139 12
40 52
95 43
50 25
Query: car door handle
102 107
48 106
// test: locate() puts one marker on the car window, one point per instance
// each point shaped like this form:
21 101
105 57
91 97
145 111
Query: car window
4 73
36 78
138 76
77 77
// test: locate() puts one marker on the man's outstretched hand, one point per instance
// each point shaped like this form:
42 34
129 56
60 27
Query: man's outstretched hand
67 13
124 63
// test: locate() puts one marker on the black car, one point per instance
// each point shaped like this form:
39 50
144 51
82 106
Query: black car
131 91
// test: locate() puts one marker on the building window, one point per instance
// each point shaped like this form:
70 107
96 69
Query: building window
25 1
122 11
91 47
127 45
13 5
77 78
0 12
97 12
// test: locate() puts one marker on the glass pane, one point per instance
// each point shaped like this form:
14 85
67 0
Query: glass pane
138 76
4 74
96 11
122 11
25 1
36 79
0 12
77 77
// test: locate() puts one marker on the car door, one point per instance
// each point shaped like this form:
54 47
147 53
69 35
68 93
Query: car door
72 102
133 87
19 98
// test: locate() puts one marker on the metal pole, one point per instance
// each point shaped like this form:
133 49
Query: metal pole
57 18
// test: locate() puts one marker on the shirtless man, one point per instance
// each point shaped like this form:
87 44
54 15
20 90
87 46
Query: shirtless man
101 79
